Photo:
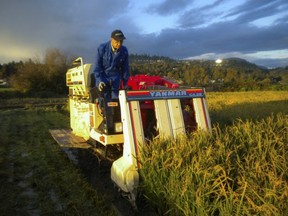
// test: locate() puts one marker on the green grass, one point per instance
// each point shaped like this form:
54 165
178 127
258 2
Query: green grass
11 93
36 177
10 98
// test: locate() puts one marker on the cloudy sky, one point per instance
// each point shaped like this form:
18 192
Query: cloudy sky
256 30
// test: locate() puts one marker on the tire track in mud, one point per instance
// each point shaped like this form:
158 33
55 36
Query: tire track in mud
23 198
30 168
22 134
97 174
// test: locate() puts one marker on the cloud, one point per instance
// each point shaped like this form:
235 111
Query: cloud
252 10
223 36
181 29
70 25
199 16
168 7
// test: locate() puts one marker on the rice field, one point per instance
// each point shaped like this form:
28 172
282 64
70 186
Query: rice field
225 107
241 168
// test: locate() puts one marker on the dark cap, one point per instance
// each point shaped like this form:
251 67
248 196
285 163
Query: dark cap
117 35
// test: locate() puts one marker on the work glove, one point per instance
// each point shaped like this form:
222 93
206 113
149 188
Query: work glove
101 86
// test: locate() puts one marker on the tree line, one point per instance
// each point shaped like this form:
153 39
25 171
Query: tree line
39 76
232 74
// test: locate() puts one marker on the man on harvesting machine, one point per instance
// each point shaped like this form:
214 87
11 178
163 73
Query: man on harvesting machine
112 66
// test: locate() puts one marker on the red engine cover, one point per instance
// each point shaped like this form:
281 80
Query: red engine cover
142 82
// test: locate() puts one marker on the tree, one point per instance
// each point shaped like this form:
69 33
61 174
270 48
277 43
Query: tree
56 64
34 76
9 69
232 75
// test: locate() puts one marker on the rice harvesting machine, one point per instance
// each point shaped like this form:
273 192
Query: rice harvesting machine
116 130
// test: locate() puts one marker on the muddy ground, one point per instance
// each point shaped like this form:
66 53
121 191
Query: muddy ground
97 172
37 177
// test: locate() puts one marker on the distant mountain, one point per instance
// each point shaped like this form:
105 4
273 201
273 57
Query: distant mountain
228 62
240 62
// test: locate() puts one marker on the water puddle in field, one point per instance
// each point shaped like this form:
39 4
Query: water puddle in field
72 155
24 183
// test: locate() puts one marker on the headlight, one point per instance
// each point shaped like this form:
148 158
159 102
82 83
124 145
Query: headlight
118 127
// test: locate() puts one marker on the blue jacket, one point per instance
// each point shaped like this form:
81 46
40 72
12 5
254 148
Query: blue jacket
111 68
